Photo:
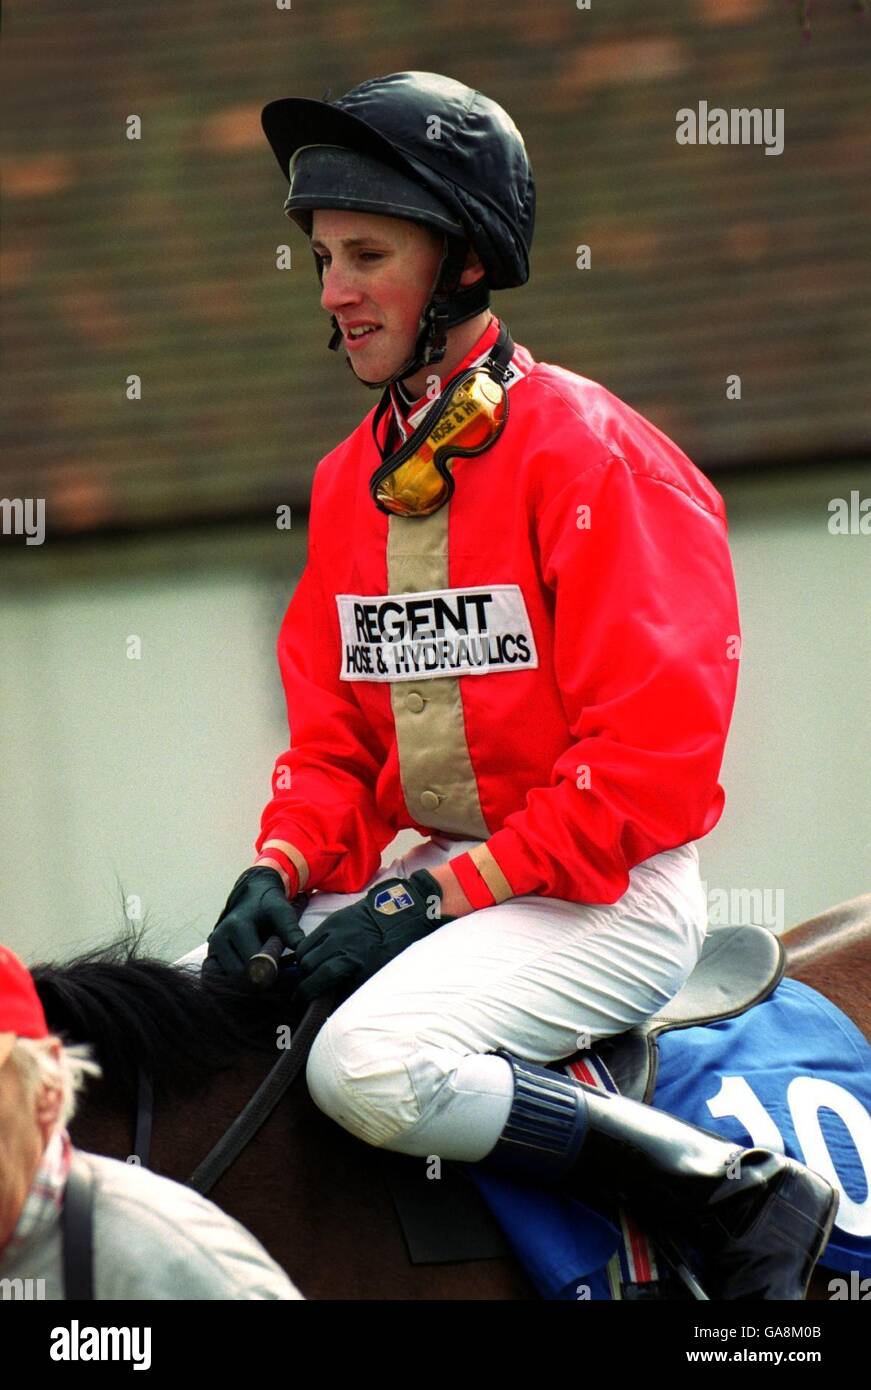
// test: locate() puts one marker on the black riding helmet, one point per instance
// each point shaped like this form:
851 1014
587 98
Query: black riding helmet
424 147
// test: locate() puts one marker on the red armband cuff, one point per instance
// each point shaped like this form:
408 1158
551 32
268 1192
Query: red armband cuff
471 882
279 857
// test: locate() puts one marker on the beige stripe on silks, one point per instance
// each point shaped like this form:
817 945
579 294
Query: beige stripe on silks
491 873
293 855
434 758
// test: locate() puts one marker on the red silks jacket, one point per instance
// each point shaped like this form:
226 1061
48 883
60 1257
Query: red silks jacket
547 664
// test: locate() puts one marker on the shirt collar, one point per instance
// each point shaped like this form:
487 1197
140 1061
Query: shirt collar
44 1200
405 411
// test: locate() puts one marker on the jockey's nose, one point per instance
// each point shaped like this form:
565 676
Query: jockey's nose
339 288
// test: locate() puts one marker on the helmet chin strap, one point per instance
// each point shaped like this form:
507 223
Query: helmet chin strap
448 305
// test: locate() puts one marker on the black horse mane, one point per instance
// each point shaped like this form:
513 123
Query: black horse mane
135 1010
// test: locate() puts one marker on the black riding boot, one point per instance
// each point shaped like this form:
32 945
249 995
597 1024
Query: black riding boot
753 1220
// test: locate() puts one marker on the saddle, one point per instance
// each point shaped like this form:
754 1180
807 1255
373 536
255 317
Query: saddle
738 967
448 1221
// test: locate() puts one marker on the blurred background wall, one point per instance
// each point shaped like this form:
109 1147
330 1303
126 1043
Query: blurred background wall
138 785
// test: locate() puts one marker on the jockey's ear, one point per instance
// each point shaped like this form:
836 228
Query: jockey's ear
473 269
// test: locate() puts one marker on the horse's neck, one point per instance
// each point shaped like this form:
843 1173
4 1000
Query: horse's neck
832 954
842 929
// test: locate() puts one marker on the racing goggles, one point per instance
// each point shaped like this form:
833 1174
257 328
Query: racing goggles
467 418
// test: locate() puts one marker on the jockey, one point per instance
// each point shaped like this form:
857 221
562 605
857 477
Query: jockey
516 634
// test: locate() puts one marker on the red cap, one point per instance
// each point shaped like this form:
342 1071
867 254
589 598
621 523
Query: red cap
21 1014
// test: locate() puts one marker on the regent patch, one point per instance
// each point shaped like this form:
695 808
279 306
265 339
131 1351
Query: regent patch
440 632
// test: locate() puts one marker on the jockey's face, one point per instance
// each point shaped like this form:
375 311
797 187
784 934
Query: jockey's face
377 270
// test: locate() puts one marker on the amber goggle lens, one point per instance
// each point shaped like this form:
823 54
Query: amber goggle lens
470 424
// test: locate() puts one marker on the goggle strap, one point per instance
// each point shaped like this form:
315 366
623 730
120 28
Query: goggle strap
408 447
497 366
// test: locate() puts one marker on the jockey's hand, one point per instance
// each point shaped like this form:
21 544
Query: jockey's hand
353 943
256 909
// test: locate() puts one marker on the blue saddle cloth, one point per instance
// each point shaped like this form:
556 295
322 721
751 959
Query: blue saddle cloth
792 1074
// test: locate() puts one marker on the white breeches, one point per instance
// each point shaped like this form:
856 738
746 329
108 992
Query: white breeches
400 1063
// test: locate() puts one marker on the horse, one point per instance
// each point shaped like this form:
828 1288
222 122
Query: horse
312 1194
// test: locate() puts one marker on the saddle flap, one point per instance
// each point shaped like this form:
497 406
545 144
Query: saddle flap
738 967
445 1221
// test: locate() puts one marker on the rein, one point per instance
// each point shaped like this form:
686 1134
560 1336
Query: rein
264 1100
254 1115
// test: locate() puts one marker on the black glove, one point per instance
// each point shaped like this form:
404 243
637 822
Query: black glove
256 909
353 943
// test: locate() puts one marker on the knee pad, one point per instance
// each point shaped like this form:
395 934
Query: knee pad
358 1077
321 1075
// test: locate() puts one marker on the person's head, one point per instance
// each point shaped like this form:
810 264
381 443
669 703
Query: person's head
412 148
39 1079
381 271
